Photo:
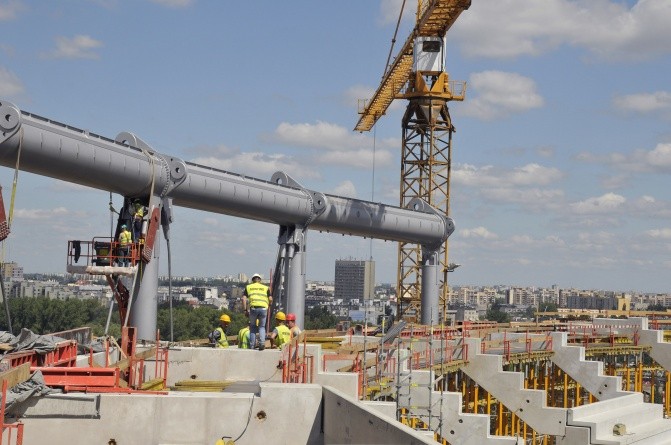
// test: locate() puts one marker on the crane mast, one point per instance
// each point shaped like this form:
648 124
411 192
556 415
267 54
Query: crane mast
418 75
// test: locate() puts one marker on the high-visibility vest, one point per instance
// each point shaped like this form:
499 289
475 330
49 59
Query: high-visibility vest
125 237
222 341
283 335
243 338
139 210
257 294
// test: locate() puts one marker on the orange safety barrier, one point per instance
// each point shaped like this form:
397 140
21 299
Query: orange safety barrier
9 428
297 365
65 354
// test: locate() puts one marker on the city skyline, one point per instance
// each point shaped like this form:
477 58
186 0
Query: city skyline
561 157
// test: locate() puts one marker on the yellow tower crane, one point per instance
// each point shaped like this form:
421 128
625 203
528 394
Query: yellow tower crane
418 75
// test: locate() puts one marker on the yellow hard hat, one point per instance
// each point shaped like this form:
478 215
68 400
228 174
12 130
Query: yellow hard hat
225 318
280 316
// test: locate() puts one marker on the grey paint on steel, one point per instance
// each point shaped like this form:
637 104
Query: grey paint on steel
130 167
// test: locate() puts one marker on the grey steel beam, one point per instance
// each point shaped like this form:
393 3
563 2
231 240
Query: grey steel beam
131 168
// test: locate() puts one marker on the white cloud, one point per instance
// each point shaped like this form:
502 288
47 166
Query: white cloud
346 189
660 157
319 135
40 213
10 85
608 203
174 3
606 28
660 234
362 158
538 199
656 160
10 9
644 102
546 152
389 10
500 94
77 47
256 164
489 176
477 233
597 240
335 145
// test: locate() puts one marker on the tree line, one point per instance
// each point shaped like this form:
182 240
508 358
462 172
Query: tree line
43 315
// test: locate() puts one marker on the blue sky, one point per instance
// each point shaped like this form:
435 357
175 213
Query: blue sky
561 158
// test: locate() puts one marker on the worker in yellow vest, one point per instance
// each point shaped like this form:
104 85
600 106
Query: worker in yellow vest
243 338
281 334
138 215
256 300
218 336
125 244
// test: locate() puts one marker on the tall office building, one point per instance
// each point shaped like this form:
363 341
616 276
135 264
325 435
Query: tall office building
354 279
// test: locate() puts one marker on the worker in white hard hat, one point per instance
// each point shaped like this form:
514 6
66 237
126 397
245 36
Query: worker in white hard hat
218 336
256 300
281 334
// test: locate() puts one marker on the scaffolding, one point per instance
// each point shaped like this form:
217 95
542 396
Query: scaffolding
416 366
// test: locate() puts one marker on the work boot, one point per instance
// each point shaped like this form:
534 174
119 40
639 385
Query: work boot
262 346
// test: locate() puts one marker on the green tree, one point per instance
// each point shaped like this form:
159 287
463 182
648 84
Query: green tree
547 307
494 313
319 317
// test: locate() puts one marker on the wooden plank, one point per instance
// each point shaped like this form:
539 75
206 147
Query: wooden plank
16 375
369 363
125 363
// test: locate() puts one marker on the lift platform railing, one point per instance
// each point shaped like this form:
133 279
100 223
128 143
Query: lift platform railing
102 255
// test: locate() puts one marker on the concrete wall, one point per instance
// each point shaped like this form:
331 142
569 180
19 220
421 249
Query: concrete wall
221 364
346 421
281 414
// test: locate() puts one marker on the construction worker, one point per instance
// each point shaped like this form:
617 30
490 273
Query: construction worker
243 338
291 324
125 244
281 334
256 299
138 215
218 336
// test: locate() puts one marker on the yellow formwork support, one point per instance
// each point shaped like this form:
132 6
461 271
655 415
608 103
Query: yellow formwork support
667 394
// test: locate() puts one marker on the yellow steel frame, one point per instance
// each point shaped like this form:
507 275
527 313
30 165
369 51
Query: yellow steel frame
434 18
425 174
425 169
